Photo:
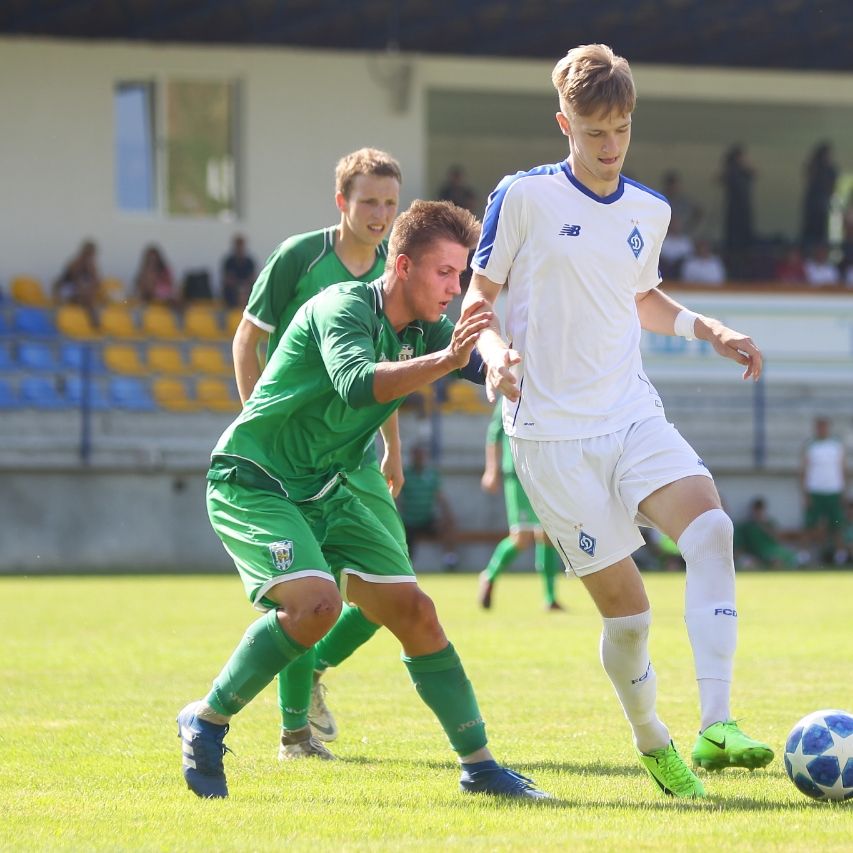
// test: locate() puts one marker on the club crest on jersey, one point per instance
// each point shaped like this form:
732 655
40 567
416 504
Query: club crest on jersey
636 242
407 351
586 543
282 554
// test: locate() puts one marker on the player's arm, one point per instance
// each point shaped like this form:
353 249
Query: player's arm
662 315
490 481
392 459
497 355
247 360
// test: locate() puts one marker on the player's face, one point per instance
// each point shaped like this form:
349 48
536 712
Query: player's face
432 279
369 211
599 144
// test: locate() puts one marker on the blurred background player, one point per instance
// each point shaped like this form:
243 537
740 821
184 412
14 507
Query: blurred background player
367 194
524 527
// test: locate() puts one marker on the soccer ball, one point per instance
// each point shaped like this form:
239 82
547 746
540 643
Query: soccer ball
819 755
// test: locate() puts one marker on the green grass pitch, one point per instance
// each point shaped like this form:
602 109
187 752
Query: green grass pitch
93 671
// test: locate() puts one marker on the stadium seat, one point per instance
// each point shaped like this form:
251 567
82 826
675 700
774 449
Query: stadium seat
124 358
117 321
130 394
39 392
465 397
216 395
72 356
165 358
74 387
171 394
35 322
5 324
112 290
211 360
157 321
7 358
202 323
34 355
28 291
232 320
74 321
8 396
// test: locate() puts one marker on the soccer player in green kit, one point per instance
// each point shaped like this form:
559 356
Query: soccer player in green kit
525 528
367 191
278 496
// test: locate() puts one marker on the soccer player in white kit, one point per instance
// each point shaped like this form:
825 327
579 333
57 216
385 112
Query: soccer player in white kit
578 244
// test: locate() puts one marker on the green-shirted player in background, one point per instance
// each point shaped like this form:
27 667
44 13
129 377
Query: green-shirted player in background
524 527
278 497
367 193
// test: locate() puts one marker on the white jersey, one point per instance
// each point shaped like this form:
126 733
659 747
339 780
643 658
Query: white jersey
574 263
824 474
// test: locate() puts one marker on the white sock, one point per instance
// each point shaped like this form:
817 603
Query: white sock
709 609
204 712
625 658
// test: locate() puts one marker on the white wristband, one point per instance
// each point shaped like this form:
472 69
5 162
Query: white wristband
684 324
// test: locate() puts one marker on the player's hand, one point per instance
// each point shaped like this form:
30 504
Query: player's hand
466 331
736 346
392 471
500 378
490 481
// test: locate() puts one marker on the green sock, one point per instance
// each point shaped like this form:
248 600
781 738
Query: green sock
442 684
352 630
547 562
503 555
295 682
264 650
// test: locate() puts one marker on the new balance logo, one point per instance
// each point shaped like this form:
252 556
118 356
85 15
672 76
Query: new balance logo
570 231
725 611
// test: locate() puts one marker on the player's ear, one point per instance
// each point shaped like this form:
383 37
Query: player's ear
402 266
563 123
341 201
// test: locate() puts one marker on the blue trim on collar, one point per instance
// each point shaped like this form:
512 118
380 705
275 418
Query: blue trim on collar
607 199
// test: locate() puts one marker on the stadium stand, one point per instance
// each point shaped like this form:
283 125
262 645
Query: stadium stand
216 395
35 355
35 322
74 321
165 358
81 393
8 395
130 394
40 392
28 291
160 322
173 395
208 359
118 321
74 355
202 322
124 359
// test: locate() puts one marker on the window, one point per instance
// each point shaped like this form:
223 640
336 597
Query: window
175 148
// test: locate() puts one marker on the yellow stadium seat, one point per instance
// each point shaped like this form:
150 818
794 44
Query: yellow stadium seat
171 394
210 360
165 358
124 358
112 290
466 398
28 291
117 321
161 322
232 320
216 395
202 322
74 321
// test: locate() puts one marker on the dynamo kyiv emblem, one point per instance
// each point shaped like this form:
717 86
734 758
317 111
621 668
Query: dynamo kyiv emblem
586 543
407 351
282 554
636 242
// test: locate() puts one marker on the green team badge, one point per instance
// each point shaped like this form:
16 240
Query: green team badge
282 554
407 351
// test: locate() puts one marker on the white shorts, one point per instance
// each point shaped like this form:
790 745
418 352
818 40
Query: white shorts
587 491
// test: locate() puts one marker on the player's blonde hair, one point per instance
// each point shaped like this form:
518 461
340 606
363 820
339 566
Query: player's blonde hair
592 80
427 221
365 161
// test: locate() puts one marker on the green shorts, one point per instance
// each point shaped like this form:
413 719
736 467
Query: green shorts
272 539
369 486
830 507
519 512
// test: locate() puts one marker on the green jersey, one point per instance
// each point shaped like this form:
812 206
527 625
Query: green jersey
494 434
313 412
298 269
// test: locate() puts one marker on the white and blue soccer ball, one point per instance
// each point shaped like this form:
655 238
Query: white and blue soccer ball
819 755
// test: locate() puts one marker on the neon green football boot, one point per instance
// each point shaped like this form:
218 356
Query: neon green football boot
725 745
670 773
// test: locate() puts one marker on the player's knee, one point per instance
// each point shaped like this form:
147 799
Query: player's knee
710 534
421 615
628 631
312 618
522 539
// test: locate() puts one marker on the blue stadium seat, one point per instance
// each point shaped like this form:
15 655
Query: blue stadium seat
8 396
39 392
131 394
33 355
7 361
71 354
33 321
98 401
5 324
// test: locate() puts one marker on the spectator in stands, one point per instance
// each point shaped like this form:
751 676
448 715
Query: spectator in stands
238 274
684 208
756 540
704 266
737 177
154 283
424 508
820 271
847 244
791 269
823 479
455 189
79 283
821 175
677 246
